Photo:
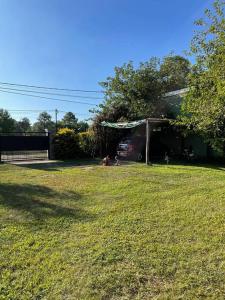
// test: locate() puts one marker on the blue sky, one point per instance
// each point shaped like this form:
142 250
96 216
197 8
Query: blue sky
77 43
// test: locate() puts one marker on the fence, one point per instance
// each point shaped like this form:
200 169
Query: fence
24 146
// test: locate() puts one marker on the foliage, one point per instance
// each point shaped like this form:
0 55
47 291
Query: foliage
44 122
7 124
66 144
82 126
87 143
174 71
69 121
136 93
204 107
128 232
23 125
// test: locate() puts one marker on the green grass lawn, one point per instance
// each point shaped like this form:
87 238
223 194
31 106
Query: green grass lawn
128 232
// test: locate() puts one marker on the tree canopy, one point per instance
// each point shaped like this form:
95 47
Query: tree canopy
23 125
136 92
44 121
69 121
174 71
203 109
7 123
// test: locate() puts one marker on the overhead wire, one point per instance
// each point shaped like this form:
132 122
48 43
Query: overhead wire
55 94
48 98
37 110
51 88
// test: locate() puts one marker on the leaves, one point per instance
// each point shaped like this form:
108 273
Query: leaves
204 105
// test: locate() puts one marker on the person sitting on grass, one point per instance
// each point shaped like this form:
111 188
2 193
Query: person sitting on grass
106 160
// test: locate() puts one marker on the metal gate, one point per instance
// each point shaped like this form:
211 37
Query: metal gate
24 146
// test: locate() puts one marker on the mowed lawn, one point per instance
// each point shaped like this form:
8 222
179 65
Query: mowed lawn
127 232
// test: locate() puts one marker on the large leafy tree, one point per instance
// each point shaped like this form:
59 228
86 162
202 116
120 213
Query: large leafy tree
69 121
7 123
174 71
203 109
23 125
136 93
44 122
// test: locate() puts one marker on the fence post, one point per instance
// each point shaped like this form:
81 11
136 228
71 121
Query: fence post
51 154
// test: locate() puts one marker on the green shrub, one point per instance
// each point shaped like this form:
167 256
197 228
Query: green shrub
66 144
87 143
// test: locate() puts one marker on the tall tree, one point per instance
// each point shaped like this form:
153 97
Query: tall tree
7 123
69 121
137 90
44 122
203 109
23 125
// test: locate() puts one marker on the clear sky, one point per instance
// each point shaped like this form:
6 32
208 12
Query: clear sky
77 43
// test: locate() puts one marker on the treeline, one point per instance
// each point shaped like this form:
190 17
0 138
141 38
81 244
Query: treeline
44 122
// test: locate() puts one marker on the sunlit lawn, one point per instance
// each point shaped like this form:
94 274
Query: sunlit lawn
127 232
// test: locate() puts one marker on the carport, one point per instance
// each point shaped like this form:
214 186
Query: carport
150 123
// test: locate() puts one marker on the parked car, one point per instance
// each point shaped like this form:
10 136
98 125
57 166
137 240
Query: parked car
134 148
131 148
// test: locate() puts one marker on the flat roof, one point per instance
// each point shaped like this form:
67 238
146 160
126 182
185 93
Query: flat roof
178 92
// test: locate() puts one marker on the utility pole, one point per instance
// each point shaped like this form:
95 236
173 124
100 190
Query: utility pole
56 119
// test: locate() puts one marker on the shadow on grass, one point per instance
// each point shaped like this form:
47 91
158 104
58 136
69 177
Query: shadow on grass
42 202
56 166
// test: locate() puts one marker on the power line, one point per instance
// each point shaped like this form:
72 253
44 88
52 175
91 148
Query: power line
37 110
55 94
48 98
29 110
51 88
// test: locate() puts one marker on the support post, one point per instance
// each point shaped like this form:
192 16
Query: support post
147 152
51 152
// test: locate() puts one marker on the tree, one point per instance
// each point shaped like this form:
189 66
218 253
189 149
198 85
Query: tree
82 126
7 123
44 121
23 125
174 71
69 121
138 91
203 109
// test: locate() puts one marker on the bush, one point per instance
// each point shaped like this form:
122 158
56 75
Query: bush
87 143
66 144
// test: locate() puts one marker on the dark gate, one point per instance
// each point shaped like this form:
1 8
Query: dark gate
24 146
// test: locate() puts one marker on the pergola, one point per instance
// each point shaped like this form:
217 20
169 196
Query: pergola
149 124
